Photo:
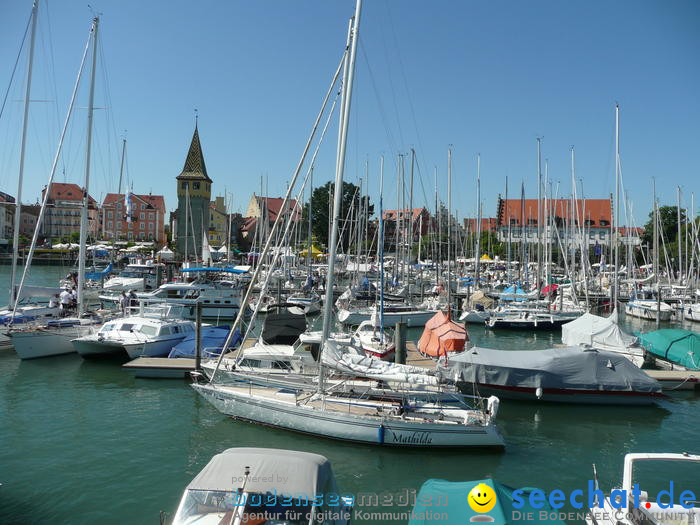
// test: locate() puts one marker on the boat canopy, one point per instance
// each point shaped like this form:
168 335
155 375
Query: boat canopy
213 338
450 498
565 368
304 473
228 269
595 331
29 292
96 276
442 336
678 346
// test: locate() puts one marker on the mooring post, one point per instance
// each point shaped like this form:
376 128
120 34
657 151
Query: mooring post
400 343
198 338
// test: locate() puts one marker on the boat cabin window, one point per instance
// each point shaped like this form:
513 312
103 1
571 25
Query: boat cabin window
174 293
165 330
108 327
126 327
148 329
203 505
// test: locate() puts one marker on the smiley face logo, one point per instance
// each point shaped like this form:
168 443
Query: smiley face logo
482 498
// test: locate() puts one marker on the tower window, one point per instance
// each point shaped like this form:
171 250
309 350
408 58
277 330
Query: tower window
195 185
184 185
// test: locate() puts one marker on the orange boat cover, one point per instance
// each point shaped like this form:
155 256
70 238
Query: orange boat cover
442 336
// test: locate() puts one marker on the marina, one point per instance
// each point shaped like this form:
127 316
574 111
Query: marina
354 350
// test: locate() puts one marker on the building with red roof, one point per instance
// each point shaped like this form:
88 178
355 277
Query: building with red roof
147 218
62 214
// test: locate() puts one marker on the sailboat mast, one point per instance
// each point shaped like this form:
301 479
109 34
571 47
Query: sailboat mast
507 217
477 256
338 189
616 216
538 279
449 226
86 183
381 248
121 167
22 151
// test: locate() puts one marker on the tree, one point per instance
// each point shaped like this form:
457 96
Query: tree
320 211
667 231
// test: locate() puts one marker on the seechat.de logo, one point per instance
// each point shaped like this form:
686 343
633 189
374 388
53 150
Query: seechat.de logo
482 499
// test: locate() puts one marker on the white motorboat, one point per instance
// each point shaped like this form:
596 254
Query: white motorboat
249 485
134 277
410 315
630 505
219 299
143 335
602 333
647 309
691 312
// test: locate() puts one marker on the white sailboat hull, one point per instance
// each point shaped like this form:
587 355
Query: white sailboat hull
411 318
346 426
46 343
647 310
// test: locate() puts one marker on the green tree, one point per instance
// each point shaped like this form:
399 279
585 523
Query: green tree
320 210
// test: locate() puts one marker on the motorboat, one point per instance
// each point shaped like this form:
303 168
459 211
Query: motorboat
151 334
135 276
304 303
461 501
673 348
632 505
52 337
691 312
263 486
602 333
219 299
560 375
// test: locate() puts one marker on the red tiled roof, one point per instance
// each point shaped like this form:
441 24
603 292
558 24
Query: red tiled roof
65 191
156 201
391 215
597 211
626 231
487 224
274 205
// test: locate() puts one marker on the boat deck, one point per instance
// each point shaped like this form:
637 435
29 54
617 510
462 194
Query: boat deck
676 379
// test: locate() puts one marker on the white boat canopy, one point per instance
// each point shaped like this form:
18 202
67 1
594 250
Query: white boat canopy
304 472
594 330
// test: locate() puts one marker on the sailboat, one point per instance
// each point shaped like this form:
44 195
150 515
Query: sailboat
403 422
54 338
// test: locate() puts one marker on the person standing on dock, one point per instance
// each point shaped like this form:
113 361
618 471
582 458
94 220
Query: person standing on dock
123 302
65 299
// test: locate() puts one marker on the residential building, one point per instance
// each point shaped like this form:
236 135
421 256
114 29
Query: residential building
27 223
147 218
218 222
420 219
269 207
7 218
487 225
63 209
593 217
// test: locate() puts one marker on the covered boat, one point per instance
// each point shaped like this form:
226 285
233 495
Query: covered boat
448 502
565 375
262 485
602 333
442 336
281 326
213 338
674 346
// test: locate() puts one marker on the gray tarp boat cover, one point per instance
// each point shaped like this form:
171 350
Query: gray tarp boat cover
287 471
568 368
599 332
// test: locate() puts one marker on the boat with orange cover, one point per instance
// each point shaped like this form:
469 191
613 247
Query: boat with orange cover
442 336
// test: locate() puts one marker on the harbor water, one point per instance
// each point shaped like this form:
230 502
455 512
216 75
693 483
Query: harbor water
86 442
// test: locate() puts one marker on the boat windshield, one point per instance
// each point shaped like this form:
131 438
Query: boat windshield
205 506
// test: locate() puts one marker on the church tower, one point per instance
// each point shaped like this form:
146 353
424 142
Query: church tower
193 196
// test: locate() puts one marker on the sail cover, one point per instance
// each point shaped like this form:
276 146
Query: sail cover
345 359
564 368
596 331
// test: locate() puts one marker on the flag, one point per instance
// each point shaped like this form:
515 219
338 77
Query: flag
127 205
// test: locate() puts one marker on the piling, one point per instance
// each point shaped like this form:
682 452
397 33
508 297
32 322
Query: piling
400 343
198 338
159 276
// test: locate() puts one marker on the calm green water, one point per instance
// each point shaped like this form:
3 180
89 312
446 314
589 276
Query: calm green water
85 442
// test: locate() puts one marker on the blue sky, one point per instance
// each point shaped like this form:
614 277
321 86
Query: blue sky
485 77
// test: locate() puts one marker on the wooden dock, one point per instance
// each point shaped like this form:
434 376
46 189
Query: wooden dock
165 367
676 379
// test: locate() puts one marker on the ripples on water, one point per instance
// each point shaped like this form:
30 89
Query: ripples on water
85 442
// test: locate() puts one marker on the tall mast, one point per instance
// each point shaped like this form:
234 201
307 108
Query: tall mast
616 216
656 257
678 218
449 226
381 248
22 151
86 183
507 218
340 169
121 167
539 213
477 256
